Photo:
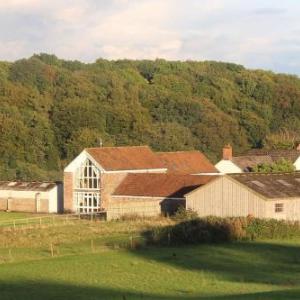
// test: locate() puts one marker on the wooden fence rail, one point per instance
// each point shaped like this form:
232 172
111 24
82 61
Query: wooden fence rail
40 220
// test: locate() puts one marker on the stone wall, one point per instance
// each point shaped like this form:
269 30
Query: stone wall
143 206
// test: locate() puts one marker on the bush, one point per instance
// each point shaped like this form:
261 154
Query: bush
214 230
185 214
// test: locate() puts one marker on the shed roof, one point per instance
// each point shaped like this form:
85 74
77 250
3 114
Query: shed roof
186 162
291 154
126 158
27 186
160 185
248 162
271 185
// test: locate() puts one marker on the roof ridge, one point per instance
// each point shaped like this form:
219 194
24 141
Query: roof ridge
138 146
181 151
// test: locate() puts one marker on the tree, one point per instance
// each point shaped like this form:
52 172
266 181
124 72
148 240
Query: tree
282 165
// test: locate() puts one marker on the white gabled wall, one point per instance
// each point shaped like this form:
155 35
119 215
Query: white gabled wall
224 197
78 160
297 164
227 167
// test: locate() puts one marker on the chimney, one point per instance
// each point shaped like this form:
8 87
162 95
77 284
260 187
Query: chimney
227 152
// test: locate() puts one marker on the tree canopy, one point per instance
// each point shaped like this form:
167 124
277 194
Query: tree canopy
51 109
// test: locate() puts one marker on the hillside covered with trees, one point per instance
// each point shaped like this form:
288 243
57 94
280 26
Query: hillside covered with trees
51 109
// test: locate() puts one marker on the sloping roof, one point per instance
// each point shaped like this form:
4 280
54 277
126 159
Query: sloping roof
271 185
291 155
126 158
246 163
186 162
27 186
160 185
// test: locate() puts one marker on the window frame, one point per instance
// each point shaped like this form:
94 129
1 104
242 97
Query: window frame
279 207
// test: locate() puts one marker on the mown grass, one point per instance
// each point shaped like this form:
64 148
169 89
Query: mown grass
5 216
244 270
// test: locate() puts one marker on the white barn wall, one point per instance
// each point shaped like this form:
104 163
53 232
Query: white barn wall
226 166
290 212
224 197
297 164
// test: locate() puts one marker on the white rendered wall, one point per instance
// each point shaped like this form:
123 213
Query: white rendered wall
227 167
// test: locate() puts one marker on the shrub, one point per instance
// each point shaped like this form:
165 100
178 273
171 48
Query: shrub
213 230
185 214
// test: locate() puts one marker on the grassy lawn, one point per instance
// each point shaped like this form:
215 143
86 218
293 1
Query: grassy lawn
14 215
256 270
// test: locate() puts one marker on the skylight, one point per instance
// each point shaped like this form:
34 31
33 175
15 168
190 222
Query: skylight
258 183
285 183
44 185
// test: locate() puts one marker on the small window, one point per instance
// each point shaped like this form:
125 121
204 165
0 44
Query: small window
278 207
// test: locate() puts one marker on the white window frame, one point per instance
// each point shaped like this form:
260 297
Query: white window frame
87 182
87 202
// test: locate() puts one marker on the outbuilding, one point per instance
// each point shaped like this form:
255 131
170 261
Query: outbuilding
260 195
36 197
153 194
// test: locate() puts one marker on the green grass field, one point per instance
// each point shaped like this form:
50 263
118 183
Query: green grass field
14 215
248 270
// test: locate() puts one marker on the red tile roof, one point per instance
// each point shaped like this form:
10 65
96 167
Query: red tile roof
187 162
160 184
126 158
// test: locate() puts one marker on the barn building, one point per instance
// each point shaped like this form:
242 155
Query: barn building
153 194
260 195
247 161
91 179
36 197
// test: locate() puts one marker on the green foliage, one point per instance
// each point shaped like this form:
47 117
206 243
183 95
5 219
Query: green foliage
51 109
282 165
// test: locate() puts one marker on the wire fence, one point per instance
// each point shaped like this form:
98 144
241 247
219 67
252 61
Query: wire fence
85 247
38 221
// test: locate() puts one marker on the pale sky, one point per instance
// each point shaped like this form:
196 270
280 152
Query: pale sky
256 33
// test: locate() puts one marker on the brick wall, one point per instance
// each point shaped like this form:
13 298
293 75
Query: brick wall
119 206
68 192
109 183
3 204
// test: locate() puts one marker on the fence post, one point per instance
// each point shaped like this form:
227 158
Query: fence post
131 242
40 222
10 255
14 224
169 238
51 249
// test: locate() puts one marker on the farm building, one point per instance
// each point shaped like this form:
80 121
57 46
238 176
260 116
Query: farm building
261 195
247 161
153 194
40 197
92 178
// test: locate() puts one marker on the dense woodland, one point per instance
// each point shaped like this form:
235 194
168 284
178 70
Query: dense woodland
51 109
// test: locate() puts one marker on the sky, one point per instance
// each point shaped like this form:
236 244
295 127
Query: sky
255 33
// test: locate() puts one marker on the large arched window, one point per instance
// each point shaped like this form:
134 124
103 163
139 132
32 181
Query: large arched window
87 188
88 176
